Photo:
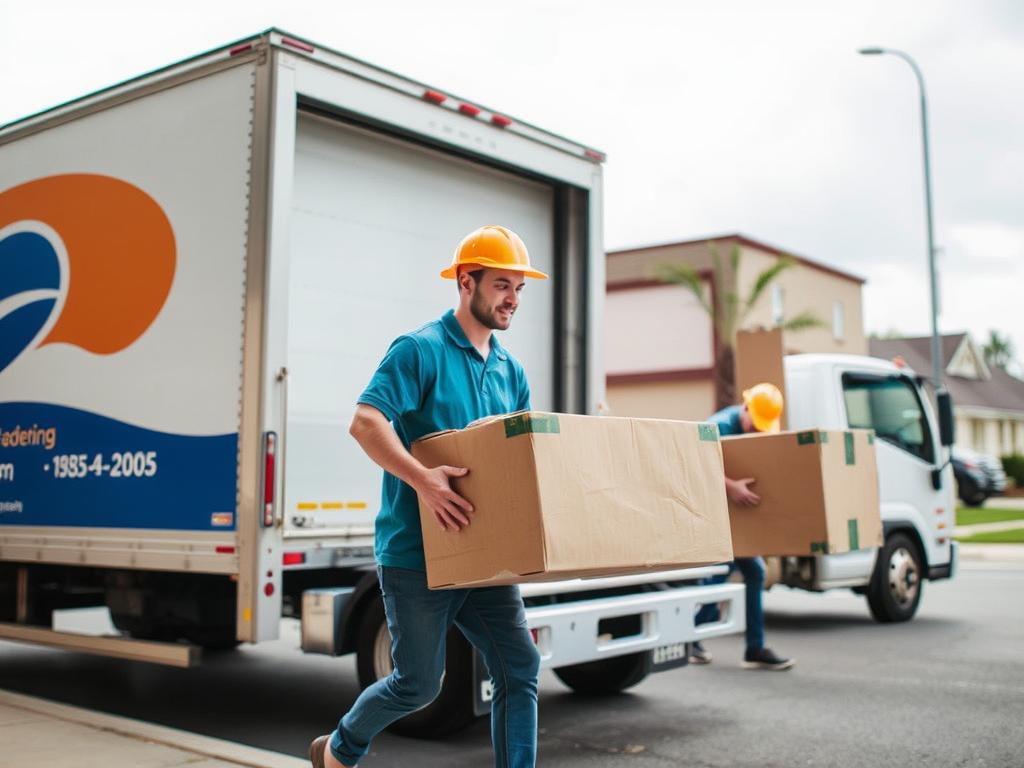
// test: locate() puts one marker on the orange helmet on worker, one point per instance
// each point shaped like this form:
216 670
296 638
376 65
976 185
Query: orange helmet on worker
763 403
492 247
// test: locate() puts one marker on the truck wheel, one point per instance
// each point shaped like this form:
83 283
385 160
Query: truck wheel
895 589
452 710
602 678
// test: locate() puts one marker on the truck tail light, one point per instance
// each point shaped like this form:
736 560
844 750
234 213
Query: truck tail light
293 558
269 477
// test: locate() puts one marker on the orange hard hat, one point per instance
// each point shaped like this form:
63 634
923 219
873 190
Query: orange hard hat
764 404
492 247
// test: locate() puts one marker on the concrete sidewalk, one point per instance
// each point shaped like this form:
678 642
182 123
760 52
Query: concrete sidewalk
37 732
1004 502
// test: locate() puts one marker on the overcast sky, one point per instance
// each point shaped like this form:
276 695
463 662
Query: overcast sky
720 117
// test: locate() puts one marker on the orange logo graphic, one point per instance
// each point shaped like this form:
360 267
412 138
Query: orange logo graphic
119 265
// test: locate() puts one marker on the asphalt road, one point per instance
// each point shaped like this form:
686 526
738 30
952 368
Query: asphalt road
944 690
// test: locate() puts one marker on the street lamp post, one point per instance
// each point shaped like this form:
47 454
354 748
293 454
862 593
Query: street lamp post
936 346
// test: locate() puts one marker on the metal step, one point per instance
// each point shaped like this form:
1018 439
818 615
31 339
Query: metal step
170 654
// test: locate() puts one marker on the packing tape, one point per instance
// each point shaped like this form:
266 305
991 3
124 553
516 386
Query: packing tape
524 424
851 453
708 432
854 530
806 438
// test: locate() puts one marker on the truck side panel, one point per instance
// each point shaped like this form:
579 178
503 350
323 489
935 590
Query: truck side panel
122 261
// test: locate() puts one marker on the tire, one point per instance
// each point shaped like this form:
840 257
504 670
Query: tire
974 501
607 677
898 579
452 710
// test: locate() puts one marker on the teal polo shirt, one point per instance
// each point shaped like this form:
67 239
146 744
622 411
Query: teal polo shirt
728 420
430 380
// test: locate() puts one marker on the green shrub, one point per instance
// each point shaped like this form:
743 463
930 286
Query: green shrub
1014 466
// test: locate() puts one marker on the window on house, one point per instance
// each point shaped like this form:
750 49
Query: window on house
778 304
838 321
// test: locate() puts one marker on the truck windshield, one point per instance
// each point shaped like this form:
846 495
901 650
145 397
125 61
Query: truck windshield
890 406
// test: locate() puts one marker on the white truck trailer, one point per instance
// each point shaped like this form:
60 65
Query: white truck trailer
199 270
916 487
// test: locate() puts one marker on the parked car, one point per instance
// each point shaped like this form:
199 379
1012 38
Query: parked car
978 476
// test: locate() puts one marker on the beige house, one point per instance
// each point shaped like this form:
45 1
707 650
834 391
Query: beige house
988 403
660 343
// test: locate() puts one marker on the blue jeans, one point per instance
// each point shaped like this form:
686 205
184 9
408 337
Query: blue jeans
752 569
493 620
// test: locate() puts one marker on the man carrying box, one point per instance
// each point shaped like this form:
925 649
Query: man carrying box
760 411
444 376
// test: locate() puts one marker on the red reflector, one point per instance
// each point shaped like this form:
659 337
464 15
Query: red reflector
268 479
268 589
593 154
294 558
434 96
297 44
501 121
224 550
469 109
534 634
241 48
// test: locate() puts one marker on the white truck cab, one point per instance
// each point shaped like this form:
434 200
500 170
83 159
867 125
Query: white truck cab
915 478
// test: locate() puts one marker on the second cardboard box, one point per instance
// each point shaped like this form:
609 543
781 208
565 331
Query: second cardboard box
818 489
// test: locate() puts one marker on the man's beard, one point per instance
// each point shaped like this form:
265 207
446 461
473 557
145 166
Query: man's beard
487 319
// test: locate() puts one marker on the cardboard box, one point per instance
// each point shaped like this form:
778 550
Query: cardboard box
758 358
818 489
561 496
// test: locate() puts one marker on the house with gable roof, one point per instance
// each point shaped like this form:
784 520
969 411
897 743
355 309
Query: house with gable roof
988 402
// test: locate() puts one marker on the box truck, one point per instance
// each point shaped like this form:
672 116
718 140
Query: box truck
199 270
915 479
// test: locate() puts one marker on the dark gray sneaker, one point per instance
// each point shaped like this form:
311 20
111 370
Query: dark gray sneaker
765 658
698 654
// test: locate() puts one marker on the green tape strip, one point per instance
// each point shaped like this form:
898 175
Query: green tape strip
806 438
853 529
525 423
819 546
871 438
851 453
823 437
708 432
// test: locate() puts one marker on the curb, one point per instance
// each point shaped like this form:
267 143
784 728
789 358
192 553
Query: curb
206 746
992 553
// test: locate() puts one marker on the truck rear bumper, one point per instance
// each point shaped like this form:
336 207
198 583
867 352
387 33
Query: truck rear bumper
572 633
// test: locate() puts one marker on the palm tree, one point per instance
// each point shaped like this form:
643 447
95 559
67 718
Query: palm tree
998 350
729 311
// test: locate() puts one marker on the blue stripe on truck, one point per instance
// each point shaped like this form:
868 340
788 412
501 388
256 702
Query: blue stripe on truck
67 467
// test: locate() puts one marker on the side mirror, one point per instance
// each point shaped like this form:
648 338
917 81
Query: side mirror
947 425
